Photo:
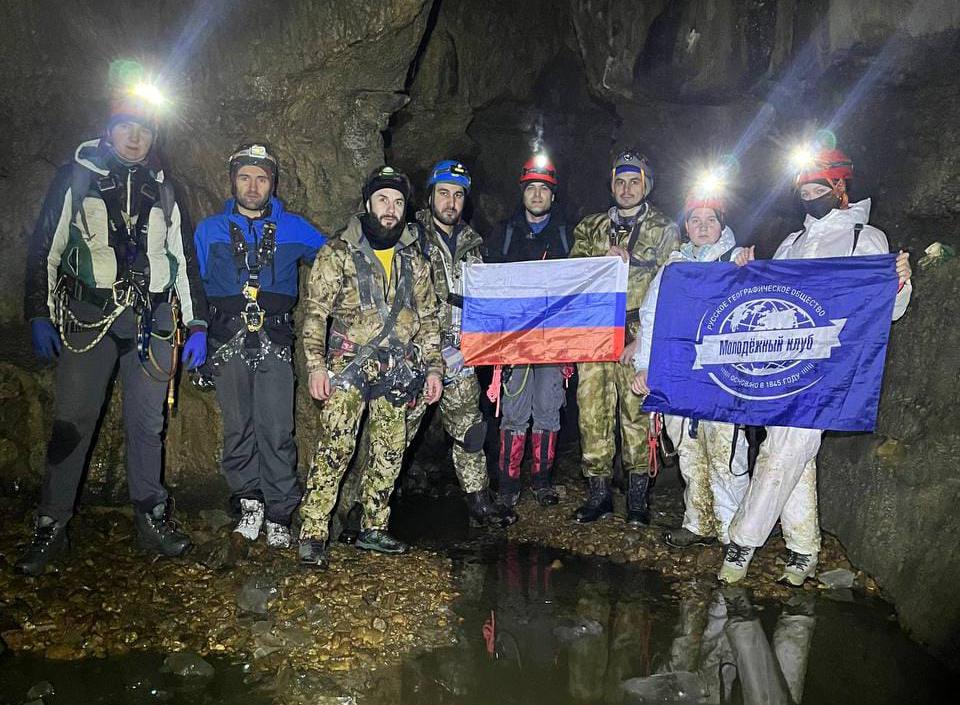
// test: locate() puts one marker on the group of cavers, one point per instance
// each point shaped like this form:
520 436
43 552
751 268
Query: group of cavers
115 273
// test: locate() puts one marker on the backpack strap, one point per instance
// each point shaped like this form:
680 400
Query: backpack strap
507 238
727 256
563 239
857 229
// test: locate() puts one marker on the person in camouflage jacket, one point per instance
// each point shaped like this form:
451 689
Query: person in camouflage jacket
373 286
644 237
447 242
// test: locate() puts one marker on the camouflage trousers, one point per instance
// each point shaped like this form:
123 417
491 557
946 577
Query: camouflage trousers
459 412
603 395
339 422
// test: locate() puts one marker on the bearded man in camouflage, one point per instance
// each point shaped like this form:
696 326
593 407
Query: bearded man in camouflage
373 286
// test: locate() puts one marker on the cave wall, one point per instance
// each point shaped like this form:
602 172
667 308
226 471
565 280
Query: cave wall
334 84
319 80
688 81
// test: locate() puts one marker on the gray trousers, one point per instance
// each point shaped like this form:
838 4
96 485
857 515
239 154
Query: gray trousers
259 453
532 390
81 387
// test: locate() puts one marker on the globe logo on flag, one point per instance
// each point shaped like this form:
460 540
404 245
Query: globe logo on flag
766 315
764 342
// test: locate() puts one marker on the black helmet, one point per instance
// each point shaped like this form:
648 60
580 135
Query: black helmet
387 177
254 154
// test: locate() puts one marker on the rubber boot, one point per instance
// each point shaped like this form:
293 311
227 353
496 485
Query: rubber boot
544 451
49 541
599 502
488 513
508 468
157 533
638 499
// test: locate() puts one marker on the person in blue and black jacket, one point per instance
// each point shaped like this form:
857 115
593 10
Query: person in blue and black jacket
249 257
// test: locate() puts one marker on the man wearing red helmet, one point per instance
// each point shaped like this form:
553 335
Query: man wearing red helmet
645 237
784 483
535 231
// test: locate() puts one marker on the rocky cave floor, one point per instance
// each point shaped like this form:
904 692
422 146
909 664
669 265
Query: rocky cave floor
253 606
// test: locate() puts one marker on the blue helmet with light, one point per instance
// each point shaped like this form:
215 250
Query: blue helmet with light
449 171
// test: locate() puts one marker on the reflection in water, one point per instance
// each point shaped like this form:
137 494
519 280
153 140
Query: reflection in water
720 654
540 626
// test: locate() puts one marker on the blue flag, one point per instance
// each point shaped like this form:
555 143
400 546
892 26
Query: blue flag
776 343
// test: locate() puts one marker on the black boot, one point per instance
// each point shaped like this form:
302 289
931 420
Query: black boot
312 553
599 502
638 499
49 541
157 533
487 513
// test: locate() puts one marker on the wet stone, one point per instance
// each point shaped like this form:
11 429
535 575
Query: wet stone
256 593
188 665
215 519
41 690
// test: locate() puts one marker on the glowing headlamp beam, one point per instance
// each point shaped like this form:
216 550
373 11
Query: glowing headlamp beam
149 93
541 161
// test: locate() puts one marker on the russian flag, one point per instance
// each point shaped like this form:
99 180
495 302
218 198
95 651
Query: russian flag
544 311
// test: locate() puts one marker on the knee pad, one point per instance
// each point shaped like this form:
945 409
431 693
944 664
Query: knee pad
474 437
63 441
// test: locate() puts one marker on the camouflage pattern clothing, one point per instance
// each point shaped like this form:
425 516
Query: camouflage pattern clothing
460 403
604 387
334 294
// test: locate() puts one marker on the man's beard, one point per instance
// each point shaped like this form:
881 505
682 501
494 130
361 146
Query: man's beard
542 209
379 237
253 203
447 217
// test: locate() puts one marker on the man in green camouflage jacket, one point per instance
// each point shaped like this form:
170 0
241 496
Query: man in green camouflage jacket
447 242
644 237
373 286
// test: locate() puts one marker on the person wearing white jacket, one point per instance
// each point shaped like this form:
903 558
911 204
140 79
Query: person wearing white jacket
784 483
714 472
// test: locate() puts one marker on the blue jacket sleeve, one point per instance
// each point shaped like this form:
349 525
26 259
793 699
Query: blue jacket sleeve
312 240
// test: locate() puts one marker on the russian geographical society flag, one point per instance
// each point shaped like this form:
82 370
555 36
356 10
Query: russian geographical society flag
775 343
565 310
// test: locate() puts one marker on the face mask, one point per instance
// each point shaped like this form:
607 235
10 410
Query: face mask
819 207
380 238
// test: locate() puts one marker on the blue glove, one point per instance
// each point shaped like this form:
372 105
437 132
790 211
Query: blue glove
46 339
195 350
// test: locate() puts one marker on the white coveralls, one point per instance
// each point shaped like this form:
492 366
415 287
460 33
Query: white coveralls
784 483
714 485
719 648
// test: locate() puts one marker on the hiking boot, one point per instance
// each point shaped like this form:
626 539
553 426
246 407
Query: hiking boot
487 513
546 496
738 604
278 535
684 538
49 541
380 541
599 502
638 499
736 561
544 445
157 533
800 566
251 519
312 553
512 444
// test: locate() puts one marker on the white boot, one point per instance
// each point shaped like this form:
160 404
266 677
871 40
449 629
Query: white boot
251 519
800 566
736 561
278 535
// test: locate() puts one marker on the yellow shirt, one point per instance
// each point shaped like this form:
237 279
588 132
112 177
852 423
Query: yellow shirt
386 259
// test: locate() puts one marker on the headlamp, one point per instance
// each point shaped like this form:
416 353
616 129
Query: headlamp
149 93
803 158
